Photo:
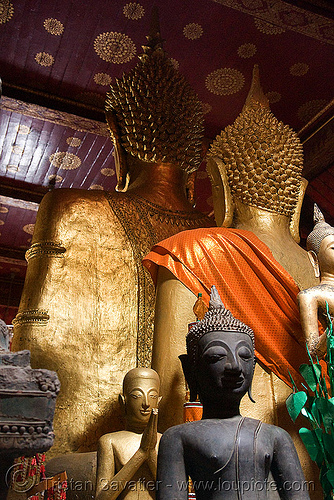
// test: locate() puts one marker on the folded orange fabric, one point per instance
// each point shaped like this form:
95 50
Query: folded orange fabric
251 283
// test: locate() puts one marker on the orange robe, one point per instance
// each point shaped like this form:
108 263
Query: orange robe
251 283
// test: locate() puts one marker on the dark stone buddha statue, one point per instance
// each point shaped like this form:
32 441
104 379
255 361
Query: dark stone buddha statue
226 455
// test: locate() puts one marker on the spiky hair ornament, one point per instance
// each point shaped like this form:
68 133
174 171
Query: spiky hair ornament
217 319
320 231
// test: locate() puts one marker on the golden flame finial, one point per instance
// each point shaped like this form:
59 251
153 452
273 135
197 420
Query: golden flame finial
256 95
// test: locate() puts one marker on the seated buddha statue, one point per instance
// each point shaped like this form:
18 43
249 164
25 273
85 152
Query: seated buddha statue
313 302
87 306
253 259
227 456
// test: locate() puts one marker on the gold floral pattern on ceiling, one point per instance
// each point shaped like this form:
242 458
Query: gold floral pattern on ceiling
6 11
309 109
284 16
29 228
3 210
12 168
175 63
53 26
17 150
55 178
193 31
44 59
206 108
97 187
247 50
133 11
74 142
299 69
273 97
21 129
225 81
65 160
102 79
108 172
2 222
117 48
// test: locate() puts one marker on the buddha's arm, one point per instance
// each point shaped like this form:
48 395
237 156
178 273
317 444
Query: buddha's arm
286 468
308 309
108 484
171 476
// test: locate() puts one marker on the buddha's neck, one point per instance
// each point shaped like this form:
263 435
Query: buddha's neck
225 409
163 184
262 222
135 427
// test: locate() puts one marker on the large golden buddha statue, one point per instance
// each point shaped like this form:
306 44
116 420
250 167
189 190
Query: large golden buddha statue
254 261
87 306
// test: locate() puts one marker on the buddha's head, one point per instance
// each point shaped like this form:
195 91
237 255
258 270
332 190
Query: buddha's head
154 115
220 355
141 388
320 245
259 158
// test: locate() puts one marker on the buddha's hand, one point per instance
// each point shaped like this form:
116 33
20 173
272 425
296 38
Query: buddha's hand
149 437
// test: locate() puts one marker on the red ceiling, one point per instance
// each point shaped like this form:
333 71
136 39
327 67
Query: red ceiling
62 55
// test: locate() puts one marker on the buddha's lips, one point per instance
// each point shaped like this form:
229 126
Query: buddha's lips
232 380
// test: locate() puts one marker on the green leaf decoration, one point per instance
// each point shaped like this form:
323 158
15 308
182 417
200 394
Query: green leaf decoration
295 402
311 443
330 476
329 446
311 375
326 409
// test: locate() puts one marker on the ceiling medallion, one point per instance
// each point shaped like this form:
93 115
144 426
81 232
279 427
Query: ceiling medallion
23 129
55 178
273 97
247 50
65 161
44 59
96 186
6 11
310 109
175 63
133 11
108 172
114 47
206 108
29 228
193 31
102 79
17 150
74 142
53 26
3 210
299 69
268 28
225 81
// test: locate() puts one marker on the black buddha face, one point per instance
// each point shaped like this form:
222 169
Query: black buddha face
224 367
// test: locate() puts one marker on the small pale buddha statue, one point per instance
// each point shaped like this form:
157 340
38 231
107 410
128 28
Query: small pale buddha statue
227 456
88 304
254 260
313 301
125 463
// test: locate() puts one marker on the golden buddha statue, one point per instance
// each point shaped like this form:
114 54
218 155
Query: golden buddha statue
125 463
87 306
313 302
254 261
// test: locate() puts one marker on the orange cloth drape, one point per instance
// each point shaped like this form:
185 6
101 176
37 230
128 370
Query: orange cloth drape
251 283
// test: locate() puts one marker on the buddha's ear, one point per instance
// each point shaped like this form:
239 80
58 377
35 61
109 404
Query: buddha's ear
221 193
189 375
315 262
294 222
122 171
121 401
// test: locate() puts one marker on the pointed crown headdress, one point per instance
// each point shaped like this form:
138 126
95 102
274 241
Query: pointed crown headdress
159 115
320 231
263 157
217 319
